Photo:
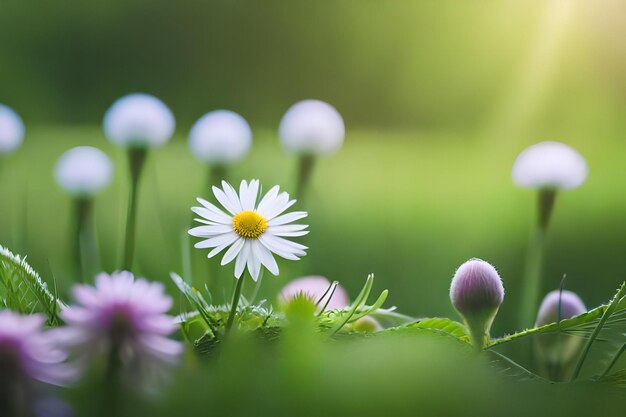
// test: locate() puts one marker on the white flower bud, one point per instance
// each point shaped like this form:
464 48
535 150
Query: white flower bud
83 171
11 130
550 165
220 137
312 127
139 121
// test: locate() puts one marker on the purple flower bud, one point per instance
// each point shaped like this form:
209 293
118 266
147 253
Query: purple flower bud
556 352
559 305
477 292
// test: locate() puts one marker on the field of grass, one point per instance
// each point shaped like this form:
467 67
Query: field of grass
407 206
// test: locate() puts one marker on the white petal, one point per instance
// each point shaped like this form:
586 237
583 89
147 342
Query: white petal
254 265
291 234
287 218
248 194
231 193
242 258
225 201
226 238
265 256
203 221
281 204
233 251
267 200
219 213
218 249
208 231
277 249
211 216
285 244
288 230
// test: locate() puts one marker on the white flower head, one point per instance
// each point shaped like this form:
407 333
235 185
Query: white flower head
220 137
550 165
11 130
252 232
83 171
312 127
139 121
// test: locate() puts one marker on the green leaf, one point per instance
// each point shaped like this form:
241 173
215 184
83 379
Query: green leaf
584 324
23 290
443 325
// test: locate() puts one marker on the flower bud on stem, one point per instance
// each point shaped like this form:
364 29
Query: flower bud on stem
477 292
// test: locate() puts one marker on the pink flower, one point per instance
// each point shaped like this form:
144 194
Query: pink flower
124 316
315 286
27 350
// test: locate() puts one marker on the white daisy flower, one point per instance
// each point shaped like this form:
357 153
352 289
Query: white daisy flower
550 165
11 130
252 232
312 127
83 171
220 137
139 121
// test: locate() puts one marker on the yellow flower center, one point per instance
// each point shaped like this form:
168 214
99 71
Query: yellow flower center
249 224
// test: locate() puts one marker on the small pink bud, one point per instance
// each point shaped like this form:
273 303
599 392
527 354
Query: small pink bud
559 305
557 351
477 292
315 286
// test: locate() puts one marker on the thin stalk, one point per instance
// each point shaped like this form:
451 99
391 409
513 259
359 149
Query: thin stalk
85 256
136 160
535 260
235 303
217 173
305 171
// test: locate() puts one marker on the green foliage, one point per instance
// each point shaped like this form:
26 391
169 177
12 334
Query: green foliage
23 290
584 325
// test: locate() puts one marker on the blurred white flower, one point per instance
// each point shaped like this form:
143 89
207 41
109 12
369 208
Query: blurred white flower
220 137
83 171
312 127
314 287
139 121
550 165
11 130
252 232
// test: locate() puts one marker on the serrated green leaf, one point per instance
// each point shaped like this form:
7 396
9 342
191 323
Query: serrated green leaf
443 325
23 290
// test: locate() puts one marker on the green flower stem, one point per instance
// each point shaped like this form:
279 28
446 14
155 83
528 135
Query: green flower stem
305 171
534 260
217 173
136 160
85 249
235 303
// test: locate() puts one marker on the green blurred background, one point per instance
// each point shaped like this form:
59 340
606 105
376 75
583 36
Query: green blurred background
438 99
